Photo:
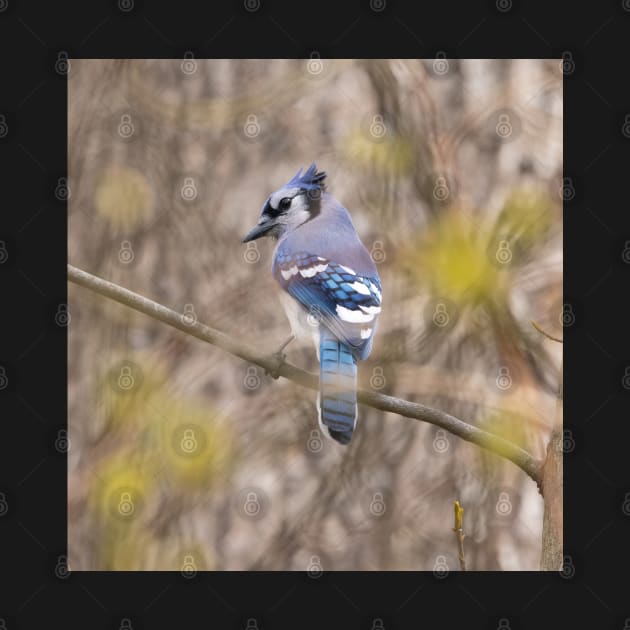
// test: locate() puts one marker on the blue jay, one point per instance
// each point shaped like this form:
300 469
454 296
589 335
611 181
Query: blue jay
333 286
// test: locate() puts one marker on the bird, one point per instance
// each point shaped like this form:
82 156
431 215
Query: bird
330 287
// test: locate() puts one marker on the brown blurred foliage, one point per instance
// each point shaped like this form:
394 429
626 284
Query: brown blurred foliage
183 456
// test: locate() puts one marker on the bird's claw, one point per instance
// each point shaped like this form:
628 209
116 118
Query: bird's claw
279 359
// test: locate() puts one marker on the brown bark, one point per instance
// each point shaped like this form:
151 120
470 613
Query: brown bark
552 490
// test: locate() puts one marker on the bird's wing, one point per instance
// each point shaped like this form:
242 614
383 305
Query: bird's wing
348 304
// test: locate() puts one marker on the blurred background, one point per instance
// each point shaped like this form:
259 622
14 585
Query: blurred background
184 457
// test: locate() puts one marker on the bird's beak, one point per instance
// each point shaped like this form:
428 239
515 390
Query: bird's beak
260 230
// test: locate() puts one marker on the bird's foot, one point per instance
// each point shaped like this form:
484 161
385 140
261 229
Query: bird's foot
278 357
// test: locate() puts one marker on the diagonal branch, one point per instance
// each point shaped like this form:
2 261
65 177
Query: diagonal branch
489 441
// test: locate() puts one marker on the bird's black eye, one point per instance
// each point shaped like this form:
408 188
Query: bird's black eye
285 203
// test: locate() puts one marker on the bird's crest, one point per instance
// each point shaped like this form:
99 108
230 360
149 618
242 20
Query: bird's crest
311 179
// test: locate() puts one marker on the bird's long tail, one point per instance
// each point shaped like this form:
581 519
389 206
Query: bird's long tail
337 387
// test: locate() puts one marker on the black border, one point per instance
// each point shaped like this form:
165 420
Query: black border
33 349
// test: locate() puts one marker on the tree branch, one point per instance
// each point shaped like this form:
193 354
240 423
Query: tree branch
542 332
489 441
458 528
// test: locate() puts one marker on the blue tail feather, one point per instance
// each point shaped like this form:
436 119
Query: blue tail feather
337 387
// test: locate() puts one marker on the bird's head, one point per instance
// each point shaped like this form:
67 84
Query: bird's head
287 208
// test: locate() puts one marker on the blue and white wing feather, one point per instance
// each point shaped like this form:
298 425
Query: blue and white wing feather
347 303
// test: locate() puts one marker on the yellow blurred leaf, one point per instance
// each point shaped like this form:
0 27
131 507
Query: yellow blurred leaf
124 197
120 490
197 447
526 216
453 257
389 154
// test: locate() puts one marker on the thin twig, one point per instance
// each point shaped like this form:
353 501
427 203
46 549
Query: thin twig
546 334
489 441
459 534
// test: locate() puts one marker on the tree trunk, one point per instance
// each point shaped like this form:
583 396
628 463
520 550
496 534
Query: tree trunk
551 558
552 555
